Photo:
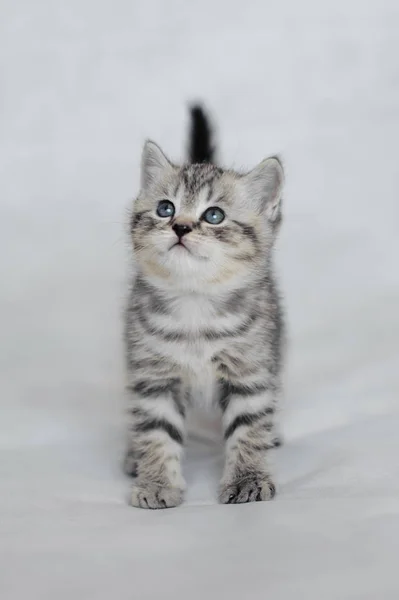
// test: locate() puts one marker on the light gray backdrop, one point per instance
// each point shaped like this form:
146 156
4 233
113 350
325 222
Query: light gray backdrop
82 84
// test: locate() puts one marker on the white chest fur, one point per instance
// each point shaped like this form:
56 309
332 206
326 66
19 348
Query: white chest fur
190 317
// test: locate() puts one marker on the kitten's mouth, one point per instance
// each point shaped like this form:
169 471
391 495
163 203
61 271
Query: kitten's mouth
180 245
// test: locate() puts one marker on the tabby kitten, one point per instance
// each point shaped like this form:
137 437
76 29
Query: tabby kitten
203 315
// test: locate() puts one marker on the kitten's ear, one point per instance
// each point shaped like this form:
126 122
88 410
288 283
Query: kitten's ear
264 185
153 164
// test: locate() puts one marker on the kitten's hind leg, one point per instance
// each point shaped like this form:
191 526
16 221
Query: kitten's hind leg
155 444
248 421
130 463
277 436
277 442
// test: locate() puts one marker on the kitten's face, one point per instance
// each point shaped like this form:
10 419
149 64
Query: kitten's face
198 226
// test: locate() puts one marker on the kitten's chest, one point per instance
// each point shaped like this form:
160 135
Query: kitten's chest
193 314
193 321
191 335
193 351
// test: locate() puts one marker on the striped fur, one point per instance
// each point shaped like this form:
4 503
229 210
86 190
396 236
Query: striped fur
203 315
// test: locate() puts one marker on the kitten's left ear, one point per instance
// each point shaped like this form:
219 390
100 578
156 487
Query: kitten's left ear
154 163
264 185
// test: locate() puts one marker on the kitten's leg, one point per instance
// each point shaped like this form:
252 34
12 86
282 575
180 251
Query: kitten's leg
248 422
278 439
130 461
155 445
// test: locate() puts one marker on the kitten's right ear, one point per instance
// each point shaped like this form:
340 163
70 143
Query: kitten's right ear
264 186
153 164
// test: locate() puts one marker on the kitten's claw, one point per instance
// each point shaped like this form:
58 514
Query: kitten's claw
152 495
253 488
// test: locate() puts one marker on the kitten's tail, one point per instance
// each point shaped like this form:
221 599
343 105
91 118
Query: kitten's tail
201 149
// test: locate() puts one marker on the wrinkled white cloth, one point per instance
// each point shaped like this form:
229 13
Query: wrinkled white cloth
82 84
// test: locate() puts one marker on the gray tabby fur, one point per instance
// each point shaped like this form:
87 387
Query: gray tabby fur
203 316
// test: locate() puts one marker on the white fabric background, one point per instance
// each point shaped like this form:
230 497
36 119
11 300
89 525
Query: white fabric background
82 84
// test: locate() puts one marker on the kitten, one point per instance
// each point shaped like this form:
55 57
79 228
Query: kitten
203 313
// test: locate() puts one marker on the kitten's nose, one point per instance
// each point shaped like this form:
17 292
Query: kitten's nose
180 229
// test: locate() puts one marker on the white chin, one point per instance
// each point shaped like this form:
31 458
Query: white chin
182 262
183 252
178 255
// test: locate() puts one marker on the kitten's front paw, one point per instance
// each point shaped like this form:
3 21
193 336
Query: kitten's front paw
151 495
252 488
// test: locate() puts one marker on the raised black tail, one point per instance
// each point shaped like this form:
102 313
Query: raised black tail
201 149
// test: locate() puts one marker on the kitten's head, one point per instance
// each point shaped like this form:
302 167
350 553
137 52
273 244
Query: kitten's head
198 226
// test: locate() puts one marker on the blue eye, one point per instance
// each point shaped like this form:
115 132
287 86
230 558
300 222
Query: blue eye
165 209
214 215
